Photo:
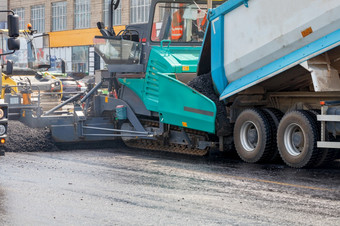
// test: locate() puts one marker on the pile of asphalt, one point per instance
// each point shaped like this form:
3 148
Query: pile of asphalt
204 85
22 138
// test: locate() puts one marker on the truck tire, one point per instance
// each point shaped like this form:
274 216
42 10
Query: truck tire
297 137
253 136
274 115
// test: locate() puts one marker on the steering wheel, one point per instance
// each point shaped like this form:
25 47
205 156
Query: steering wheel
115 4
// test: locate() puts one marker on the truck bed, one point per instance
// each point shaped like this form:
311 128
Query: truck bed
267 38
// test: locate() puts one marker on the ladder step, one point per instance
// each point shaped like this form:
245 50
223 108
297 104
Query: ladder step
328 144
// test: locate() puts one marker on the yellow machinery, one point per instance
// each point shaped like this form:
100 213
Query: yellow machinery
7 80
30 66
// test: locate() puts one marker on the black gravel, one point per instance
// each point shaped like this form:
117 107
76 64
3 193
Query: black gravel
203 84
22 138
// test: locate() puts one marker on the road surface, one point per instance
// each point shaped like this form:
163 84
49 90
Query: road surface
122 186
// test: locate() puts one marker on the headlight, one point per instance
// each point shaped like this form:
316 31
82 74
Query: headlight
52 85
2 130
57 83
2 114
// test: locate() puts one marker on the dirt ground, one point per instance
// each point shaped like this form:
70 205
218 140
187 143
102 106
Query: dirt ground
122 186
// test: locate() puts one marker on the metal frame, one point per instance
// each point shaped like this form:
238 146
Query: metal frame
323 118
32 116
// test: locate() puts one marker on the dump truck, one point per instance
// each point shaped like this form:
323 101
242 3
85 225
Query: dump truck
259 77
278 75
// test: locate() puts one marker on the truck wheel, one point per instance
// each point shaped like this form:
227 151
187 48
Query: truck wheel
252 136
274 115
297 137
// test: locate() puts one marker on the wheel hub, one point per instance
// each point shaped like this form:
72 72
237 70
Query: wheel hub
249 136
294 139
297 139
252 135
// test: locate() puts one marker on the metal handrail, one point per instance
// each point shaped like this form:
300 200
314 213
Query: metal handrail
62 104
40 93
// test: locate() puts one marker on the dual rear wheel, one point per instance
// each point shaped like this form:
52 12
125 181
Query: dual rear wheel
297 138
254 131
263 135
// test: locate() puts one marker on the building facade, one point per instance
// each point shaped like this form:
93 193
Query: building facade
72 25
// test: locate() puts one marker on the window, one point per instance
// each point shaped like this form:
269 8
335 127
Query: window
117 18
38 18
139 11
21 14
59 16
184 22
80 56
82 14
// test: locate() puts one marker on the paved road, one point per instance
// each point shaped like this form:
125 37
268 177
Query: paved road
122 186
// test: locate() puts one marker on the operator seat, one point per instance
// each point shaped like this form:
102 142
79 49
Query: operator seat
105 32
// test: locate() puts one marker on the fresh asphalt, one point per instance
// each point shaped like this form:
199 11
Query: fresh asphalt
124 186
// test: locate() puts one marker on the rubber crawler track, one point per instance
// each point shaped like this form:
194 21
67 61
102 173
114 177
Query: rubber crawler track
160 146
156 145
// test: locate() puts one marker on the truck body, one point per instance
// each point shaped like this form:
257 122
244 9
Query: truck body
277 36
271 63
284 57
